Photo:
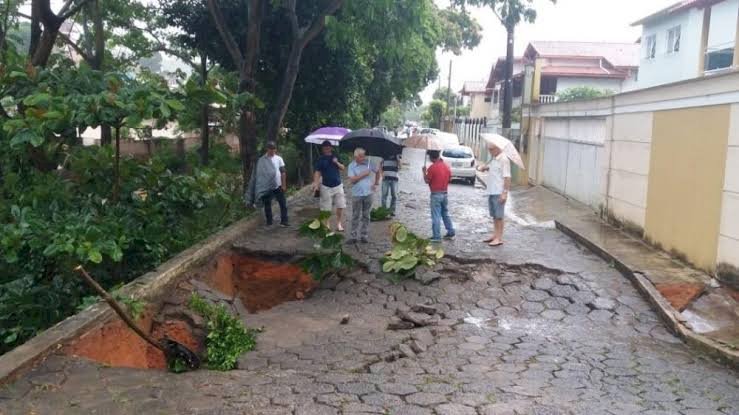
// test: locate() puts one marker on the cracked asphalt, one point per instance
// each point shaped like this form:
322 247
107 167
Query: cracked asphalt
538 326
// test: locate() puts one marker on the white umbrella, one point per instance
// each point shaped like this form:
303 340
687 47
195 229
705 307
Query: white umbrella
506 146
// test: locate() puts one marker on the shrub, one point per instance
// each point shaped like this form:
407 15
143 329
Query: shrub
329 257
51 222
379 214
409 251
227 337
582 92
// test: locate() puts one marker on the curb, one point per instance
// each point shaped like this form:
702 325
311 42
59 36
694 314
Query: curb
664 309
148 287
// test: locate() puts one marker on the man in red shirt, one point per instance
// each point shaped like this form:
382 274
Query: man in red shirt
438 176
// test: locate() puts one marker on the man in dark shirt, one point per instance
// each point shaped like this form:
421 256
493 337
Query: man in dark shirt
390 167
327 179
438 176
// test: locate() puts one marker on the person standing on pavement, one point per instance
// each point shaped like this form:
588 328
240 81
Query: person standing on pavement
267 182
498 185
327 180
390 167
365 177
438 176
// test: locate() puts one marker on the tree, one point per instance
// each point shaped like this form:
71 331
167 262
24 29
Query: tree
434 113
582 92
43 40
401 39
510 13
301 33
441 93
198 37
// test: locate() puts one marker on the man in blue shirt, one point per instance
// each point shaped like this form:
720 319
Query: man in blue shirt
327 180
365 178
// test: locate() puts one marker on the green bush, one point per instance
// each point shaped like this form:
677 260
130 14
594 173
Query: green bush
227 337
329 257
52 221
409 251
379 214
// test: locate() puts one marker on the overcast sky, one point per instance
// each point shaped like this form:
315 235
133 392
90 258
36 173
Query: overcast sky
573 20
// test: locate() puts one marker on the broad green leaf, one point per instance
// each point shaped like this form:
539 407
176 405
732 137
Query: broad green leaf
315 224
95 256
27 136
388 266
408 263
401 234
175 105
37 99
439 253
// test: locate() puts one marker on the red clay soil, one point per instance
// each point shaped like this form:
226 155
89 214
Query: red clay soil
221 278
115 344
262 284
680 295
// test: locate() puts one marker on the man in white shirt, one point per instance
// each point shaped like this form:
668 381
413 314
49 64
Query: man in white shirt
498 185
280 186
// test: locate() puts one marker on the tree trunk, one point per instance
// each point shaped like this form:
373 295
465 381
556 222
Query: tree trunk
204 130
286 91
96 58
117 166
508 85
35 27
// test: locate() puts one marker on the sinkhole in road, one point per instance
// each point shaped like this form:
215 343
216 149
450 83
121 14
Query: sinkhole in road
242 283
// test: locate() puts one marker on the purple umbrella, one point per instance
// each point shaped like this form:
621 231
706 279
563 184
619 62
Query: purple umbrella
332 134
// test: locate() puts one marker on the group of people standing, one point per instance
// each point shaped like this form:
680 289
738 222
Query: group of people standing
365 177
269 182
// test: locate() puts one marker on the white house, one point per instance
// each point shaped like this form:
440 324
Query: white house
689 39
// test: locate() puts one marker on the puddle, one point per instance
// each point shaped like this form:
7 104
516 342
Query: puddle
243 284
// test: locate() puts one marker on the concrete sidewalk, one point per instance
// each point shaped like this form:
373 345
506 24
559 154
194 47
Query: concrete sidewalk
693 304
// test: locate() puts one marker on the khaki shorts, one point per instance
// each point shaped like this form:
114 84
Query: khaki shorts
332 198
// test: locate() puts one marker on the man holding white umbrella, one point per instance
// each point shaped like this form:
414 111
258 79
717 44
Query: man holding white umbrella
499 181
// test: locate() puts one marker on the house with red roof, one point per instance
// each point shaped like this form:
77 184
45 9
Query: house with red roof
689 39
551 67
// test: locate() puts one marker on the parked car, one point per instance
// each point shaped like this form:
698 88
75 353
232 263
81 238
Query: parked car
462 162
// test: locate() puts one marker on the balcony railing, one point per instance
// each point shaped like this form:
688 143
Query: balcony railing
547 99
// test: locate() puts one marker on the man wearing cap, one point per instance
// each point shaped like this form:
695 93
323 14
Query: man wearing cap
269 181
327 179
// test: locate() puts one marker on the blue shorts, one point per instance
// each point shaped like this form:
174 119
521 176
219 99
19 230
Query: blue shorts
497 209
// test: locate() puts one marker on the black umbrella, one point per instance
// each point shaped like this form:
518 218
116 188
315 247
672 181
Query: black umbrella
375 142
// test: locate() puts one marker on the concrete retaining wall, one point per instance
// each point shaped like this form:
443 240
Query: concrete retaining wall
621 155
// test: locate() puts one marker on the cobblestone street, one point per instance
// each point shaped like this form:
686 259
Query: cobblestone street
537 326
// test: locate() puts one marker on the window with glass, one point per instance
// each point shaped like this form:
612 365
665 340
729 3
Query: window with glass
650 46
673 40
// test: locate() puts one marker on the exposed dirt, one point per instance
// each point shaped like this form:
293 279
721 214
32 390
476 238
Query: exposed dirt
262 285
680 295
257 283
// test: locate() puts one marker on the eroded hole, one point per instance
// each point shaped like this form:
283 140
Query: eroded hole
243 284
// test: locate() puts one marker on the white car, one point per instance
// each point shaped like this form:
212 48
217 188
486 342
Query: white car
462 162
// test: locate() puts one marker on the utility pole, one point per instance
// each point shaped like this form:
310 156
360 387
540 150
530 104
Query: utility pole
508 84
448 88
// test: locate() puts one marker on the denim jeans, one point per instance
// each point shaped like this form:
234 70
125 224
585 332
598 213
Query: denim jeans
439 213
361 207
267 199
390 187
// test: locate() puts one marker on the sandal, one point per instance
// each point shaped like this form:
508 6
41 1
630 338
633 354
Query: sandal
498 244
487 241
